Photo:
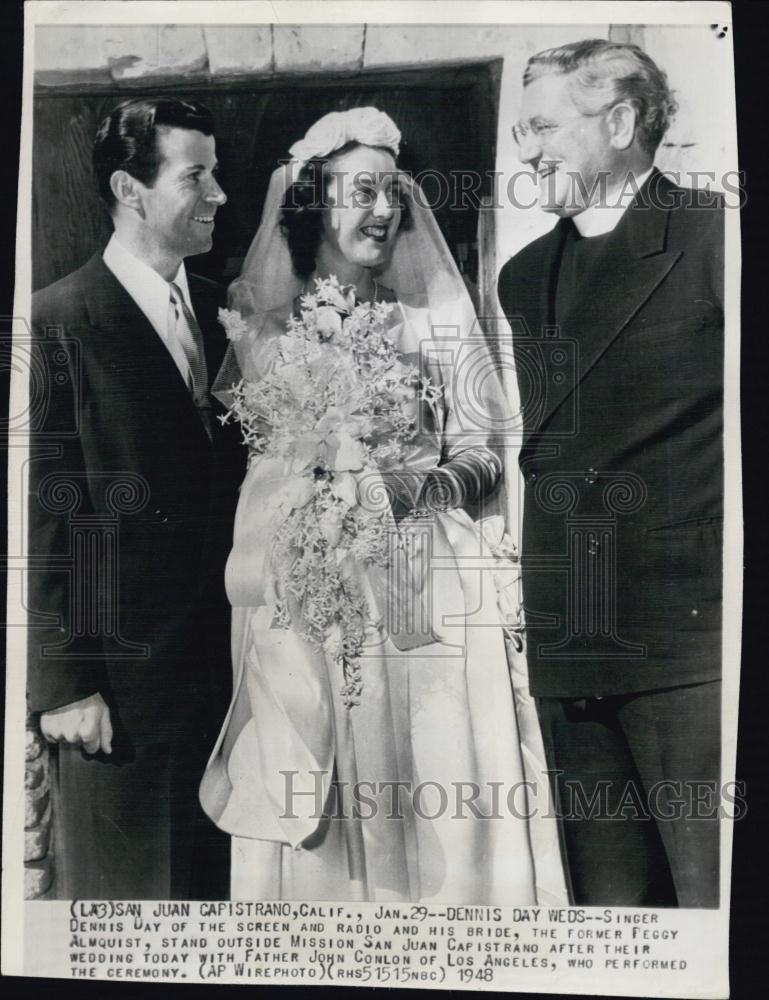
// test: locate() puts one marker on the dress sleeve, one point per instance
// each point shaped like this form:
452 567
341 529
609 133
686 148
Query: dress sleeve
469 478
470 467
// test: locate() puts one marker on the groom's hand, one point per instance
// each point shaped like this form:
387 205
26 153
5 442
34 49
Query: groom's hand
86 722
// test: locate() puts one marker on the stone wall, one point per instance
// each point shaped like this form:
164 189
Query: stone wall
128 55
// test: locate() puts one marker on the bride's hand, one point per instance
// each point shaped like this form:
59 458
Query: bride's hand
395 490
442 491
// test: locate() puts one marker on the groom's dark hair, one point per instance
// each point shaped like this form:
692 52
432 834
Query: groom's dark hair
128 138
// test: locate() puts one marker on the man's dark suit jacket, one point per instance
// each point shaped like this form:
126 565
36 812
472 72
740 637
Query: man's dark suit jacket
622 454
119 446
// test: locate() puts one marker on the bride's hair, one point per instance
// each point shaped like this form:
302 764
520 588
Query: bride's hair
301 216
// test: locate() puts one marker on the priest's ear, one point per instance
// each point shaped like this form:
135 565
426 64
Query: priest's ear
622 121
127 191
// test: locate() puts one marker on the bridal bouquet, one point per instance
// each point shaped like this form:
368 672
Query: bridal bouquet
335 404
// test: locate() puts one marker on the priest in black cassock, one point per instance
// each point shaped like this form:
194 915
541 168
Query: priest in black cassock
617 319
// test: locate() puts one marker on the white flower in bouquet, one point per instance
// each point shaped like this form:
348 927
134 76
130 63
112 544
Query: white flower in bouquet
328 322
234 325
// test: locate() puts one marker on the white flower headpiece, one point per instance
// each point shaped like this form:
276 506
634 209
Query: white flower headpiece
368 126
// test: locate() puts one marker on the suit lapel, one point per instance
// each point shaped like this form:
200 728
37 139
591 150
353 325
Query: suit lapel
530 315
112 311
535 293
632 265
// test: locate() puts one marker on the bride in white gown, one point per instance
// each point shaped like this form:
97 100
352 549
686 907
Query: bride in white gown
417 791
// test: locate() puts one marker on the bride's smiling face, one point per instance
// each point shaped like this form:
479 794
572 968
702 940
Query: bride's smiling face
363 214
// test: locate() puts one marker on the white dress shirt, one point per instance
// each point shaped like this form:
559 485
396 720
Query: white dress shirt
603 218
152 294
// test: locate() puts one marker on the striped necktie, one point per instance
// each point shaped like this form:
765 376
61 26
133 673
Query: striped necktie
184 326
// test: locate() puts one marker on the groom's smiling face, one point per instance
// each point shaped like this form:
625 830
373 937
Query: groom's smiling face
180 205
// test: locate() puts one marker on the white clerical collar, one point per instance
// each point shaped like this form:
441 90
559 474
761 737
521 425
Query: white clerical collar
146 287
598 219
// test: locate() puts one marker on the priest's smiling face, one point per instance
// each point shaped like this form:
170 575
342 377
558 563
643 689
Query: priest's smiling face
569 150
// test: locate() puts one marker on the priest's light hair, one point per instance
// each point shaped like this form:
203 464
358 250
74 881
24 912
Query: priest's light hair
605 73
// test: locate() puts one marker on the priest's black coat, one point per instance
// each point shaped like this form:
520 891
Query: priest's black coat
622 454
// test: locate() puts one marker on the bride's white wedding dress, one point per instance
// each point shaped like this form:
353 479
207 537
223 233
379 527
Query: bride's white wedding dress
416 793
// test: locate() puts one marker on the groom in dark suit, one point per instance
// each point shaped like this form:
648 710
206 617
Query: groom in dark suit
132 493
618 335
